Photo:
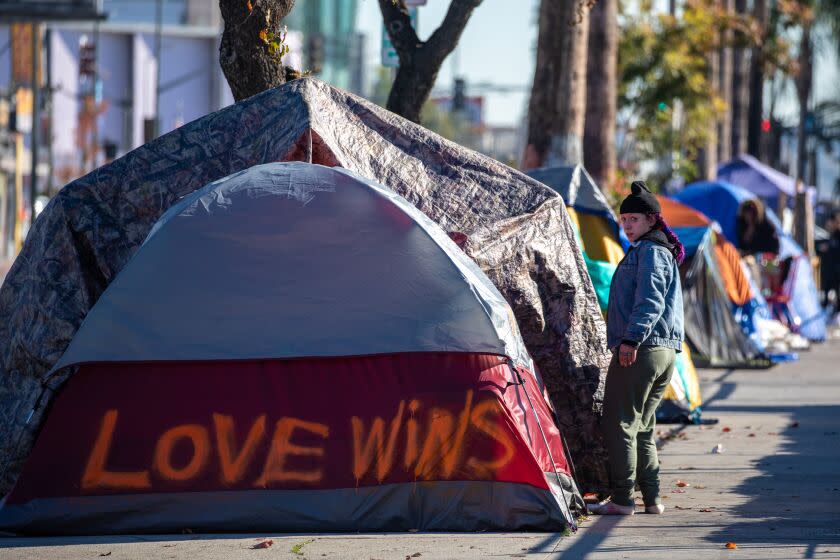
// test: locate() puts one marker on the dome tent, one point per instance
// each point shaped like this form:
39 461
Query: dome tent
313 346
515 229
713 284
720 201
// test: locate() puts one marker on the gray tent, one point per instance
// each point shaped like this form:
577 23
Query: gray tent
577 188
514 228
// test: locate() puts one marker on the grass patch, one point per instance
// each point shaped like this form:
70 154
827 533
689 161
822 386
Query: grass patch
298 548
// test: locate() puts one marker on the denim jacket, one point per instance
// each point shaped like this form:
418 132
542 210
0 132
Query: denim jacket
646 305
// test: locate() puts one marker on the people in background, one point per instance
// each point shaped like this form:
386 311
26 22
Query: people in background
755 232
829 253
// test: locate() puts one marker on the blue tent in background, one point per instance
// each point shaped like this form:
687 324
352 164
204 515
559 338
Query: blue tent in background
759 179
720 201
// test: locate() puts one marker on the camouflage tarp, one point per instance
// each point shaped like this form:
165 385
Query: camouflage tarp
517 230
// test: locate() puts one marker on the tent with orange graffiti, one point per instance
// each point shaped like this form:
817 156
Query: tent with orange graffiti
296 348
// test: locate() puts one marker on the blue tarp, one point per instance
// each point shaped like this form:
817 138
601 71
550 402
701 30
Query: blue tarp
720 201
691 237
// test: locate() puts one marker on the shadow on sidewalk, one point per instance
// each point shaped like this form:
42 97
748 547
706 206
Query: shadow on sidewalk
796 498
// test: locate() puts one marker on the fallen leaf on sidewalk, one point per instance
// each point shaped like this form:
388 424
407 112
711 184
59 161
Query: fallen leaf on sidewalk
751 435
263 544
106 553
731 545
677 491
707 510
682 484
726 429
680 507
700 486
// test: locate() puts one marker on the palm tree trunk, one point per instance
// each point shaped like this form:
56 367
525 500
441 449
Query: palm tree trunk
756 110
803 90
725 80
601 93
558 96
740 91
707 156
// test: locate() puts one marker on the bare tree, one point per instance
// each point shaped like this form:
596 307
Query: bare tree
558 96
601 93
420 61
250 53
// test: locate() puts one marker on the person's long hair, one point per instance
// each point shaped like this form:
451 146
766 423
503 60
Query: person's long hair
679 250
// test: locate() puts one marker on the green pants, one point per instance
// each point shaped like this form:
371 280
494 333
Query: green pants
630 400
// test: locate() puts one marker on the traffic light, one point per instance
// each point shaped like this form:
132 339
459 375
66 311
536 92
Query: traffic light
765 125
459 97
315 53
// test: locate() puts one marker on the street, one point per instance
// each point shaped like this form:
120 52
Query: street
772 491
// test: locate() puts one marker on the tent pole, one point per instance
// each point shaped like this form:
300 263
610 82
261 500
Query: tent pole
517 376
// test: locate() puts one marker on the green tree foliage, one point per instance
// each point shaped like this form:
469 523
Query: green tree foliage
664 91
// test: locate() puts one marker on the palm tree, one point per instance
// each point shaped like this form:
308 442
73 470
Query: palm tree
601 93
828 12
558 95
740 87
725 83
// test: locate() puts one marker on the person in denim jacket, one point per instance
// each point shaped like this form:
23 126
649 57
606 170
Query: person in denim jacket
644 332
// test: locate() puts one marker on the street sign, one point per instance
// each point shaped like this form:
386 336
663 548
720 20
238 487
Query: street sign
390 59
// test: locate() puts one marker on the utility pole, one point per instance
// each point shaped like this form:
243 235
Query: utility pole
158 42
50 114
96 98
36 118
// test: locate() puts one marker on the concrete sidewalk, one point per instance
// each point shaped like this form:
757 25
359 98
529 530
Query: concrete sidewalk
774 492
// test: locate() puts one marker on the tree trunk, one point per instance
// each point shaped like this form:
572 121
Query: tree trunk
725 80
244 54
756 110
420 61
558 96
707 159
803 91
601 95
740 91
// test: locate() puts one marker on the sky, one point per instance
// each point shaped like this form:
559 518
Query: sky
498 47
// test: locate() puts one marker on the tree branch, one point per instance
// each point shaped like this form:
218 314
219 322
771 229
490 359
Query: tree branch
446 36
402 34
